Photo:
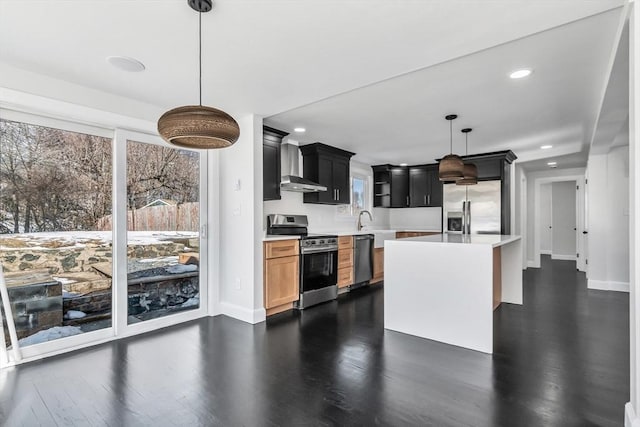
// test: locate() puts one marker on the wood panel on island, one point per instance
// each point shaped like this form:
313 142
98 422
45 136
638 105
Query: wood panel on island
345 261
281 275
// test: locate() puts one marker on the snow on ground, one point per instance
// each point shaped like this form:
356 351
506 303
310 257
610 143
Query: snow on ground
50 334
69 295
191 302
63 280
180 268
82 238
161 259
74 314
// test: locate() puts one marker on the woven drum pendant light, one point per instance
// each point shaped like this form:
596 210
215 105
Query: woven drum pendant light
451 166
470 171
197 126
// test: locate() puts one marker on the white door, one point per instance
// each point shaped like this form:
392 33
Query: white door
563 240
546 209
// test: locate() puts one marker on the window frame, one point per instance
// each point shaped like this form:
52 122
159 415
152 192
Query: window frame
40 111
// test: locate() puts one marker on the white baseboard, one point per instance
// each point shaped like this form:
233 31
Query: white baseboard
532 264
545 252
630 417
608 285
242 313
563 257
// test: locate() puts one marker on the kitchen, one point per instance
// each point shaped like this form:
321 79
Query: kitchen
334 255
399 121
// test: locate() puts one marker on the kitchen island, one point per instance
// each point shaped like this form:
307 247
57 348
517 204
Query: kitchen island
445 287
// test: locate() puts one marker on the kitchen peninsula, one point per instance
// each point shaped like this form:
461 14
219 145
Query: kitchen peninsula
445 287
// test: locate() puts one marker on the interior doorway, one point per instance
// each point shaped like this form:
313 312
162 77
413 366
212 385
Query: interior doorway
559 219
563 220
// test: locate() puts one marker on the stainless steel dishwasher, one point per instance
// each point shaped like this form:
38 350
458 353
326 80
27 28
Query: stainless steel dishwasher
362 260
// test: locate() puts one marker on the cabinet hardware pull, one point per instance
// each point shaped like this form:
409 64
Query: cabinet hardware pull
407 200
425 199
338 198
429 199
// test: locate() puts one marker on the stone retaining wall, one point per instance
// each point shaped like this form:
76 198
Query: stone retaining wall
78 259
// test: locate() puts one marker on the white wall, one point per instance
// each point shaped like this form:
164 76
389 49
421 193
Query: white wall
240 225
415 218
632 409
545 208
608 226
563 206
532 209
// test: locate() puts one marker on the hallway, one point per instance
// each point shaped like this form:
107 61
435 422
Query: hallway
561 359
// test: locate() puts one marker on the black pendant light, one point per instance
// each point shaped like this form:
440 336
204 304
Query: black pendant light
451 166
470 171
198 126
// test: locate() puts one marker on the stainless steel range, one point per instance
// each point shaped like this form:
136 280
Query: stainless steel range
318 259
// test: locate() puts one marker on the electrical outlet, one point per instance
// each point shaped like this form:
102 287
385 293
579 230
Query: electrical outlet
237 284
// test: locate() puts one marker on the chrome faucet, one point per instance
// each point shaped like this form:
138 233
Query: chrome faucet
360 218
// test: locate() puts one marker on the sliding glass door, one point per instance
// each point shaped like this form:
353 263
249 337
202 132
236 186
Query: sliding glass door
163 231
101 235
55 245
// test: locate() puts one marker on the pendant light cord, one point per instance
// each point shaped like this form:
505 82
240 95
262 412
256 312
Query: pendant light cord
466 143
200 54
450 136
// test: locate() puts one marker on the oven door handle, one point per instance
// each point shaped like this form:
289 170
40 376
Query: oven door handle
319 250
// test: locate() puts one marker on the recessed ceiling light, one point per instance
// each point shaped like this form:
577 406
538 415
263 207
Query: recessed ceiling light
403 164
125 63
518 74
546 147
552 164
299 130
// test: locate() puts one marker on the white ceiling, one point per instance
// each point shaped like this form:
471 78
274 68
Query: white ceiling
270 56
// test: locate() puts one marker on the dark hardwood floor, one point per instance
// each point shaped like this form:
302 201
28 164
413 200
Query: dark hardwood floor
561 359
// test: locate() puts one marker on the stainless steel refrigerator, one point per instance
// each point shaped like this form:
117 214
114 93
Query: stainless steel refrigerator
474 209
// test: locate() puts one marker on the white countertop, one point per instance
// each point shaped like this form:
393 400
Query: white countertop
373 231
270 238
469 239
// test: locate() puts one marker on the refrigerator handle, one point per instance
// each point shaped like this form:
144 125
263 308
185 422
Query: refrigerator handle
468 217
464 217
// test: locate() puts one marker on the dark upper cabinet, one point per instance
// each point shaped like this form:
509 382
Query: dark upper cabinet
418 187
399 187
271 143
390 186
425 188
328 166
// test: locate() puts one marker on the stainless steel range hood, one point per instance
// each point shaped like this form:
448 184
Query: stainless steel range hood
291 179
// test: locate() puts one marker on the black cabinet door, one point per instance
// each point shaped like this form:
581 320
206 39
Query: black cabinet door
418 187
325 177
341 181
271 170
271 143
399 187
434 197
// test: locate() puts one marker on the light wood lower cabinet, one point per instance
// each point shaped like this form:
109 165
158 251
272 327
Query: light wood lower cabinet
281 275
378 265
345 261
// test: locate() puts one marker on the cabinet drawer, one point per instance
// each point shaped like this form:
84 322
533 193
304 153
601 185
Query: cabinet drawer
281 248
345 277
345 242
345 258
